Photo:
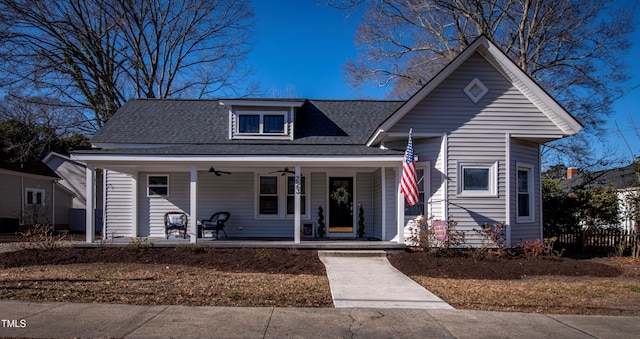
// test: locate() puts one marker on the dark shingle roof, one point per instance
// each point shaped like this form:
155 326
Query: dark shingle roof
176 121
34 167
616 178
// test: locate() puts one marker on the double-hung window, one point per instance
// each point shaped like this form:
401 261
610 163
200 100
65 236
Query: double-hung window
157 185
418 208
291 189
34 196
256 123
525 205
276 196
268 195
478 179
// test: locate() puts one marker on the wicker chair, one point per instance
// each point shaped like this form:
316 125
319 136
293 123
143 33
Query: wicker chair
175 221
216 223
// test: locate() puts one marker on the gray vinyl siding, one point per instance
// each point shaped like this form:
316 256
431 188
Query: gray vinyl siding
38 214
392 203
11 196
476 133
318 198
503 109
64 201
377 205
364 191
235 194
119 204
73 178
525 153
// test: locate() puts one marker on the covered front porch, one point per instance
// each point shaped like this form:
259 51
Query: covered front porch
273 201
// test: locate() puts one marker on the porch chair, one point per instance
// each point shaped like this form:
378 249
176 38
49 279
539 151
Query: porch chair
175 221
216 223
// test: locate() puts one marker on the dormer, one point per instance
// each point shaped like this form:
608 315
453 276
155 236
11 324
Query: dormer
261 119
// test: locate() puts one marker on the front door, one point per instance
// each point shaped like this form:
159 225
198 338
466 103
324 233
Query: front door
340 206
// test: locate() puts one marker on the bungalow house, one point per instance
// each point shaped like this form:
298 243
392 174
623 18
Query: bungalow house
477 129
30 195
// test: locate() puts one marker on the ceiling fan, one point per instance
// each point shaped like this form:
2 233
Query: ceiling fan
285 171
214 171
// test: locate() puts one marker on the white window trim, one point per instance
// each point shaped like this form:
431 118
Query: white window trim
530 169
426 167
158 195
34 191
493 179
261 134
282 197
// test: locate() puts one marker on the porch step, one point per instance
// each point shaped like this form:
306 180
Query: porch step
352 253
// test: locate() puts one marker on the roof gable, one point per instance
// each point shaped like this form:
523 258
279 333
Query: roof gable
566 123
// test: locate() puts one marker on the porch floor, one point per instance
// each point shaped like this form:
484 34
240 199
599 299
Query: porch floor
286 243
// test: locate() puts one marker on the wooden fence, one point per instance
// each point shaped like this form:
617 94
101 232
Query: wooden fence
603 242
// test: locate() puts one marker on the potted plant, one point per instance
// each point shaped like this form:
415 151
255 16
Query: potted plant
320 222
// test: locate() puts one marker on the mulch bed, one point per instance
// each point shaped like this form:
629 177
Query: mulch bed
463 267
246 260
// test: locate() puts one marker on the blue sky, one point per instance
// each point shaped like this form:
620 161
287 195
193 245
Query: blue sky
301 47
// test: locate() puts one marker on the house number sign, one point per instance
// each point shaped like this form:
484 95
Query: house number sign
297 183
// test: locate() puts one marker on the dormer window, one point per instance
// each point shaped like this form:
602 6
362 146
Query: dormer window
261 123
261 119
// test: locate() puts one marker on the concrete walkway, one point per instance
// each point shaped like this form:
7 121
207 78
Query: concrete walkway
367 279
69 320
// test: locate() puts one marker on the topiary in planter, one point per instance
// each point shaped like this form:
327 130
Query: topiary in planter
360 221
320 222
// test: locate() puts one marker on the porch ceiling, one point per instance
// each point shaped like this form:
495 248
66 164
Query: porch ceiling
245 164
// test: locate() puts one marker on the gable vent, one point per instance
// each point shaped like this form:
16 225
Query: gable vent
476 90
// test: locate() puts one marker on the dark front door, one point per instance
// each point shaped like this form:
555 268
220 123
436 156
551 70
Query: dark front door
341 205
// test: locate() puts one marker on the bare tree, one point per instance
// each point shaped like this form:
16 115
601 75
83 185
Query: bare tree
96 54
31 127
574 49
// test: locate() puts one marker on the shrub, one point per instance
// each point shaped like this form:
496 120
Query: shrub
138 244
422 235
42 236
538 247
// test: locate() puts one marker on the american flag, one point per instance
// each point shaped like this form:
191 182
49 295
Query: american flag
409 184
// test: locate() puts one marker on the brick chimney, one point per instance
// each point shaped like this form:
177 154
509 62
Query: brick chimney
571 172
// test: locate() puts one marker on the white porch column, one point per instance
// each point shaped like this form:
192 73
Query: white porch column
193 205
400 207
383 174
296 206
90 228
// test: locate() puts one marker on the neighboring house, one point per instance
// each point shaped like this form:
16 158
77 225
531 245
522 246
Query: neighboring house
624 180
72 176
477 129
30 195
